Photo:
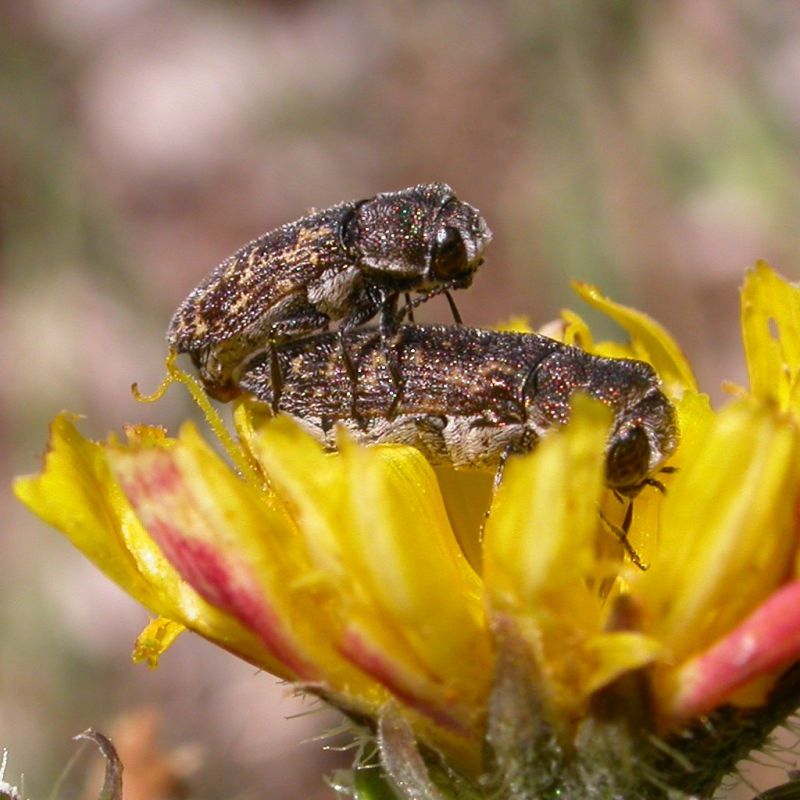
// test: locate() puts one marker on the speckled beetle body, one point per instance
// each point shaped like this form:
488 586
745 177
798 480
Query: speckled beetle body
341 265
469 397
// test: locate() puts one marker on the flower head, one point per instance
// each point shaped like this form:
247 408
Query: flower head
518 653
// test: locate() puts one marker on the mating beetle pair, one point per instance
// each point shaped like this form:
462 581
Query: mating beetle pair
465 396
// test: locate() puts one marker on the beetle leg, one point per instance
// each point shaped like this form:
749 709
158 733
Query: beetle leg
352 375
389 322
410 309
621 532
275 376
498 479
453 308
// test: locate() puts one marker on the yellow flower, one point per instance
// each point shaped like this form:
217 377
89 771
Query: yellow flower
527 659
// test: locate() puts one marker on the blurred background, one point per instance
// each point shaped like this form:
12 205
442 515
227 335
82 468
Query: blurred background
649 147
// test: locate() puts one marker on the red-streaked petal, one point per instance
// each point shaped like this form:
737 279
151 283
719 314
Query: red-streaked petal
163 489
766 640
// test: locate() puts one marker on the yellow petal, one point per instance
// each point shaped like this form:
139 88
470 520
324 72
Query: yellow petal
695 416
402 548
313 486
576 331
541 561
155 639
78 494
408 604
650 341
771 332
397 543
727 528
467 495
613 654
440 717
541 531
241 554
515 324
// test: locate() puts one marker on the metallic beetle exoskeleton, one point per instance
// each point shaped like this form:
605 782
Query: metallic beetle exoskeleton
469 397
343 264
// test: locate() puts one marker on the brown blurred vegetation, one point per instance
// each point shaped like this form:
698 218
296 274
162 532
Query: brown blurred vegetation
650 147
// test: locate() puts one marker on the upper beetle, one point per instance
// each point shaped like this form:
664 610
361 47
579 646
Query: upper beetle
342 264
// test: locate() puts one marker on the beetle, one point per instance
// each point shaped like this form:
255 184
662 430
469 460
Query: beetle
342 265
469 397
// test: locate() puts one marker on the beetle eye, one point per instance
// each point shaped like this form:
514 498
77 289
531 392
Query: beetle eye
628 459
450 255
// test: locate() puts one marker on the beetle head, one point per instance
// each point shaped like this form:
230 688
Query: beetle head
643 438
418 238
